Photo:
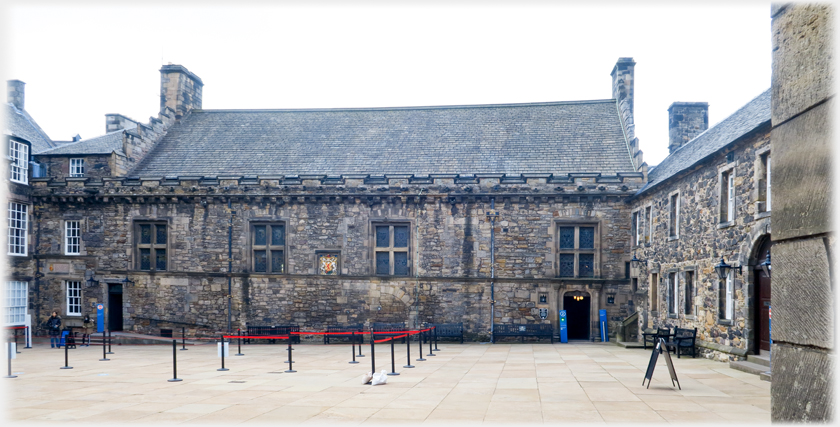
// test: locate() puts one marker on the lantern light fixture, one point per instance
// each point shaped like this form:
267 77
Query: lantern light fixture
723 268
765 266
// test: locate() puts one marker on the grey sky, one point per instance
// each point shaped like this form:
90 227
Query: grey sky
83 61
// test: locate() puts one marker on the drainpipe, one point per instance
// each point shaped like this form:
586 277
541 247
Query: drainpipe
492 266
230 261
37 270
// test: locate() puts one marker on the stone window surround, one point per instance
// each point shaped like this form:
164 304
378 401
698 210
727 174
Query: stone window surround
654 293
325 252
676 234
378 222
81 222
729 167
76 167
645 217
761 205
673 299
648 214
135 229
250 239
573 222
693 270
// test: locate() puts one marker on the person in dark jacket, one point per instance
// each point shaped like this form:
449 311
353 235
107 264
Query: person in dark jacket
54 327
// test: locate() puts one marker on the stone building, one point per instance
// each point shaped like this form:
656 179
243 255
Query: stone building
708 201
214 219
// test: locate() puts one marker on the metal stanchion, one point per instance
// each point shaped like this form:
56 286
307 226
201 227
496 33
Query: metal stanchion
393 372
104 357
183 340
361 341
26 337
239 342
16 350
290 370
434 328
430 344
372 355
420 347
408 352
66 366
109 342
353 346
9 345
222 350
174 362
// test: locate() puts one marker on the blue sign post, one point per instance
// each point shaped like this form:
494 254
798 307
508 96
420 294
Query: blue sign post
564 334
605 336
100 318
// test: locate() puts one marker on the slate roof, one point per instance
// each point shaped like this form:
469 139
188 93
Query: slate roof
557 137
104 144
748 118
20 124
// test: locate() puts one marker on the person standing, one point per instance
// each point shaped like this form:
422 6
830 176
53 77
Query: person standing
88 325
54 327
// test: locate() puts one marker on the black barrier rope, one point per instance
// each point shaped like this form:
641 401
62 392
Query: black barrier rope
353 347
290 370
9 345
239 343
104 357
408 353
222 343
66 360
183 340
109 342
175 362
393 372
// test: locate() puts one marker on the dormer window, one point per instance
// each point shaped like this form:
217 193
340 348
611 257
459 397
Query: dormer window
77 168
19 156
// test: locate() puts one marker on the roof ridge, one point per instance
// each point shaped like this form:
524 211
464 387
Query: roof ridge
427 107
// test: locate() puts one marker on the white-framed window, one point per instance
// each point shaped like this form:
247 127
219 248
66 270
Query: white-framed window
15 303
634 229
727 195
72 237
19 155
769 190
764 181
74 298
673 294
18 226
725 297
674 216
77 168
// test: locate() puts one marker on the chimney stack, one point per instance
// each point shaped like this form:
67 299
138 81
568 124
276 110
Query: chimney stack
622 81
686 120
14 93
180 90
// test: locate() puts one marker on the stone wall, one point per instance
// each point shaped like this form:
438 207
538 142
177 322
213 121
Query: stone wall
686 120
702 240
96 166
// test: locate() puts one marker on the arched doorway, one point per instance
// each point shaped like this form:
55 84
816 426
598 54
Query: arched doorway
761 309
577 305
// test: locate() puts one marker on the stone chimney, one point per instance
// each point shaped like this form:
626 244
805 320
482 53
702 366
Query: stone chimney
686 120
622 81
14 93
180 90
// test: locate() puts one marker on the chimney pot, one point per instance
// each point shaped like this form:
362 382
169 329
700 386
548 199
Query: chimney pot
15 93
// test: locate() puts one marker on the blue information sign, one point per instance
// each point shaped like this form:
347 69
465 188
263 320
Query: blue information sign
100 318
564 334
605 335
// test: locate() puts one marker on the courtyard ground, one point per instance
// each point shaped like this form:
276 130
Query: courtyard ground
462 383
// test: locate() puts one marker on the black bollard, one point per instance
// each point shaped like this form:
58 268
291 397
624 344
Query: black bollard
9 345
353 346
361 341
420 346
408 352
372 356
183 341
104 357
26 337
223 354
239 343
109 342
430 344
434 328
16 350
393 372
175 362
66 359
290 370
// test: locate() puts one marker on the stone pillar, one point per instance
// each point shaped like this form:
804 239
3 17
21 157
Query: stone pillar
180 90
803 298
686 120
15 93
622 81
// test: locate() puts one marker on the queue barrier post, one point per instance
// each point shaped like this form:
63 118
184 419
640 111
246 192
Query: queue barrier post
109 342
420 346
66 366
175 362
26 337
222 351
16 350
353 347
430 343
239 342
434 328
9 345
372 354
183 339
104 357
290 370
393 372
408 352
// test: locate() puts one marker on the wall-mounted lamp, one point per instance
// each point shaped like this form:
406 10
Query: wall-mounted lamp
765 266
639 262
91 282
723 268
578 297
128 283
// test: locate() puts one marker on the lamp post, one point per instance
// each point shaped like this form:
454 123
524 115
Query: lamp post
492 214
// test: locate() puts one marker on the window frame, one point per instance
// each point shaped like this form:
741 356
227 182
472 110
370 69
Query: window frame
153 246
595 251
727 200
269 247
654 291
690 292
648 219
77 170
763 187
391 249
68 244
73 309
15 291
726 297
673 293
674 215
18 233
19 153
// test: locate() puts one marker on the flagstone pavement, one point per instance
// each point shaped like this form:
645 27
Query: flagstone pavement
463 383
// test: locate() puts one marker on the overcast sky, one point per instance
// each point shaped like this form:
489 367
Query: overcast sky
80 62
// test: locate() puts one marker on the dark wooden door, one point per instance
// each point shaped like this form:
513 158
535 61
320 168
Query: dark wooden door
763 287
577 317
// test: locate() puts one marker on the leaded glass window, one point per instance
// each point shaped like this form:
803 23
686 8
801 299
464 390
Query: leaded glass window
268 246
392 249
151 246
328 263
576 248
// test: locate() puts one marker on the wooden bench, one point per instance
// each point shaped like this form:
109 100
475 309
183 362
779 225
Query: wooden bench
684 341
653 337
540 330
273 331
448 330
345 328
387 330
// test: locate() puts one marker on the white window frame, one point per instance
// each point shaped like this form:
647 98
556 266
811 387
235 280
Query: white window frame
77 168
674 232
730 213
634 226
15 303
73 291
769 191
72 237
19 167
17 244
730 302
673 293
